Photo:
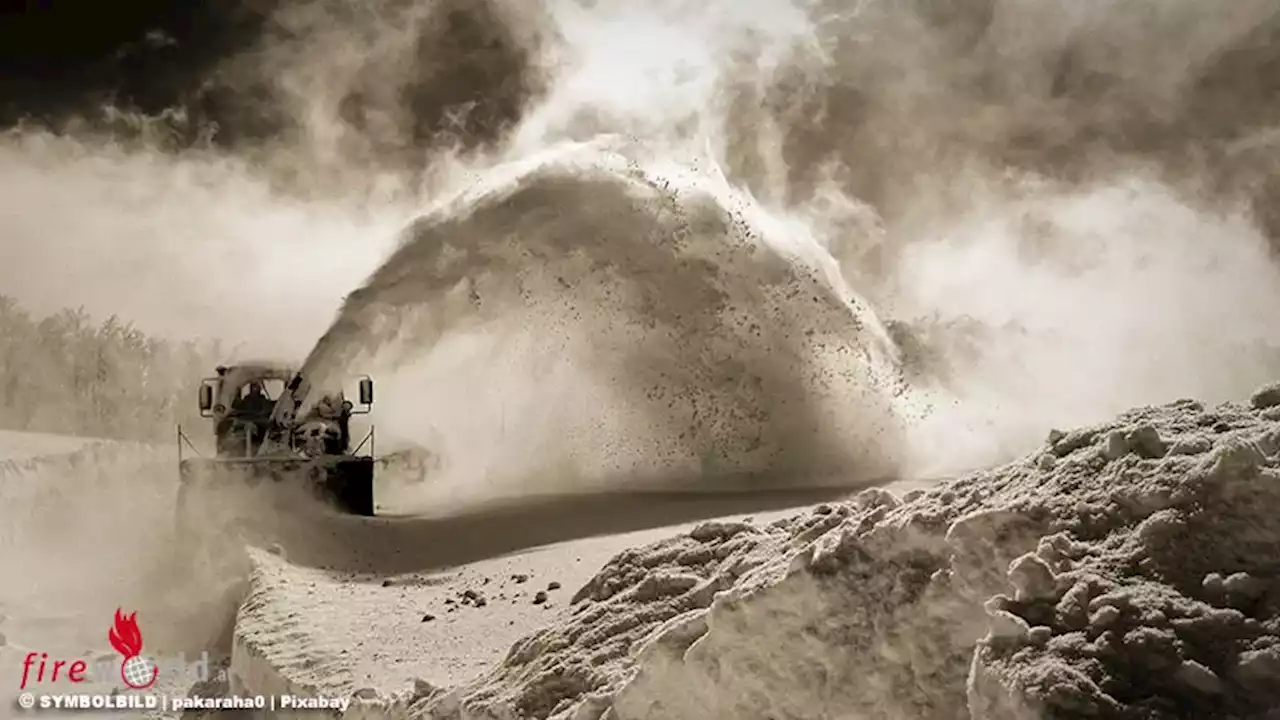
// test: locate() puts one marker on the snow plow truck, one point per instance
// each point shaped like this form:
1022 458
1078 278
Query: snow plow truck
259 440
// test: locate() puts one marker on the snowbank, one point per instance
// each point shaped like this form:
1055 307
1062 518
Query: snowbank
1129 570
93 486
268 620
19 445
31 453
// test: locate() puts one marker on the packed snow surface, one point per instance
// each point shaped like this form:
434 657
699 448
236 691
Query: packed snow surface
1126 570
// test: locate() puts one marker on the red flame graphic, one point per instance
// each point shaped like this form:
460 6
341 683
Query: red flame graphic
125 636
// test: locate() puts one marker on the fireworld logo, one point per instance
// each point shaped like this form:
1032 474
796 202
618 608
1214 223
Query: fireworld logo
136 671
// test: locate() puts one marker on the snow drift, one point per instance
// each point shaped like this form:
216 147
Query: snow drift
1125 570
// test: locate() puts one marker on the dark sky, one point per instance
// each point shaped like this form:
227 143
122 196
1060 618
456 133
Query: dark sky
68 58
58 57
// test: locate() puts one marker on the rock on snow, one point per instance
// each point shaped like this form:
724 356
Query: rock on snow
1130 570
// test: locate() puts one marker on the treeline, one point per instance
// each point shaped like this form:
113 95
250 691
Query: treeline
69 373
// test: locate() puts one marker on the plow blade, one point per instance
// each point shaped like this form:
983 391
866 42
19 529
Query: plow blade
344 483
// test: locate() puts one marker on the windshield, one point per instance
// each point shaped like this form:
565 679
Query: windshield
269 389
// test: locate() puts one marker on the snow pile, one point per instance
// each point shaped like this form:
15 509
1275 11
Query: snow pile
269 617
1130 570
1159 595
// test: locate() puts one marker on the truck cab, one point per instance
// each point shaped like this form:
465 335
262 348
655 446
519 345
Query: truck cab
241 400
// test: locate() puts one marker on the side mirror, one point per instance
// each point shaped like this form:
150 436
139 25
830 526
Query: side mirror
366 391
206 398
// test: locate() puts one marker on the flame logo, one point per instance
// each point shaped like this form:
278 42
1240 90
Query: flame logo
126 638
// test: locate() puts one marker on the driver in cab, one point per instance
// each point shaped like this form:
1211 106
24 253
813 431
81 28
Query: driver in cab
253 402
